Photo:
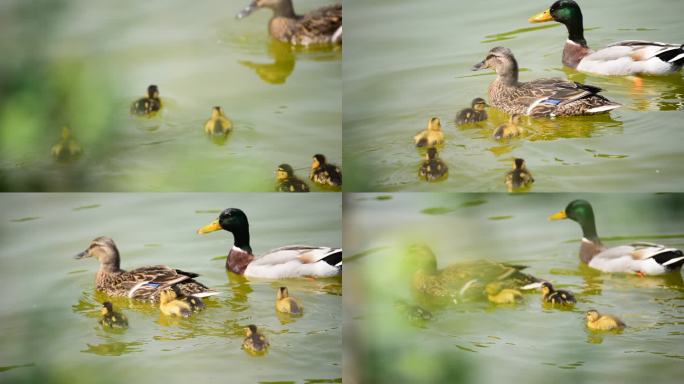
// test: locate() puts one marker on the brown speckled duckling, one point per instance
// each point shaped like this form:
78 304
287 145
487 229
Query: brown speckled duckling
556 296
519 177
147 106
475 113
111 318
67 148
324 173
510 129
599 322
286 303
255 342
433 168
287 181
218 123
432 136
319 26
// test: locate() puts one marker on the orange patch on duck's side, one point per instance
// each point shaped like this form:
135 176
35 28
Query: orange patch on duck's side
306 258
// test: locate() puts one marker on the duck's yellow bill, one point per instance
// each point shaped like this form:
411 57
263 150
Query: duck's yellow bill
558 216
214 226
541 17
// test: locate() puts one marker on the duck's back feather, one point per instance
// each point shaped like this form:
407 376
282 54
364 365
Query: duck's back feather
296 261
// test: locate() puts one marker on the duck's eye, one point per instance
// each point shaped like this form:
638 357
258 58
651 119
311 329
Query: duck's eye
490 57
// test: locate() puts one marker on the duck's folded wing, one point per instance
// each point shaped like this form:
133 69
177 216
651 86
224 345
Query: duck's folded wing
660 253
322 21
297 261
302 253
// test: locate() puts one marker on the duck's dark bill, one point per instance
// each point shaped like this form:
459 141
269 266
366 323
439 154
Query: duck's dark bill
558 216
81 255
246 11
214 226
541 17
478 66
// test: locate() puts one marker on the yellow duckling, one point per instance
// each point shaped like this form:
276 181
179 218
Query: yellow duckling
286 303
433 168
432 136
599 322
196 303
519 177
497 295
171 306
556 296
147 105
475 113
510 129
218 123
287 181
111 318
255 342
67 148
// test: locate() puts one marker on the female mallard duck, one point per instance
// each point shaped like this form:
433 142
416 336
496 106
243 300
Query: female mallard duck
171 306
499 295
67 148
640 258
147 105
111 318
629 57
323 173
287 181
520 177
475 113
599 322
556 296
143 283
432 136
284 262
218 123
286 303
255 342
461 281
510 129
433 168
547 97
320 26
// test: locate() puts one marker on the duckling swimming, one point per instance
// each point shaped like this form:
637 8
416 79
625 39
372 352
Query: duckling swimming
286 303
67 148
171 306
519 177
287 181
111 318
255 342
553 296
510 129
196 303
147 106
599 322
433 168
475 113
218 123
499 295
432 136
319 26
323 173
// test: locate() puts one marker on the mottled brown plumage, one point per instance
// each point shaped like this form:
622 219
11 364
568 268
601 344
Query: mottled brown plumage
324 173
519 177
147 106
433 168
287 181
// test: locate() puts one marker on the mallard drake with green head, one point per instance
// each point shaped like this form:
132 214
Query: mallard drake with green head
286 303
556 296
287 181
143 283
285 262
519 177
218 124
475 113
67 148
461 281
628 57
599 322
324 173
255 342
111 318
147 106
640 258
546 97
432 136
510 129
319 26
433 168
